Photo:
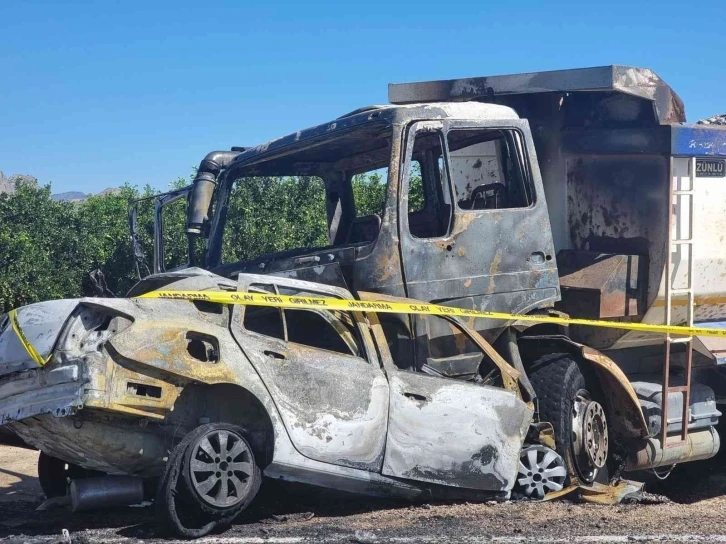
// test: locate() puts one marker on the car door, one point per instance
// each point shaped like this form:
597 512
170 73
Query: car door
321 370
449 431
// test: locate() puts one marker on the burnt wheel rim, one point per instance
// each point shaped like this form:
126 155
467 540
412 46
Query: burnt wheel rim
589 436
221 468
541 470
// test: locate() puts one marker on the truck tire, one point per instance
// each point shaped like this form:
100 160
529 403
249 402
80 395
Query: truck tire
569 399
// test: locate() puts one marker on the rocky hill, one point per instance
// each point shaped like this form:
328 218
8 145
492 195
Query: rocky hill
72 196
7 185
715 120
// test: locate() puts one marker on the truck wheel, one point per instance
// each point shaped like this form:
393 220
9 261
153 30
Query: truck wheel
192 499
569 401
55 474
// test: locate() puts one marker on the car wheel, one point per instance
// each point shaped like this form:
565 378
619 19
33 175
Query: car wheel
220 471
571 401
55 474
196 494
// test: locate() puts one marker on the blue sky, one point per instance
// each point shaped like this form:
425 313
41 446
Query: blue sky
96 94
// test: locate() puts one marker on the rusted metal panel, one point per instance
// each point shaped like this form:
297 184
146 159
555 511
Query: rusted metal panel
639 82
489 257
449 432
617 204
597 285
335 408
98 441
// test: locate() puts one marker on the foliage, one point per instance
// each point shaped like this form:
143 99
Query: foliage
47 248
267 214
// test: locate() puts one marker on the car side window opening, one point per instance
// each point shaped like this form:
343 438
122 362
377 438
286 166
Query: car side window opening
397 330
265 320
369 196
429 204
487 169
439 347
444 348
334 331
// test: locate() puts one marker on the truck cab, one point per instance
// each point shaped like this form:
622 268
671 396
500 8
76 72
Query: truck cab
463 220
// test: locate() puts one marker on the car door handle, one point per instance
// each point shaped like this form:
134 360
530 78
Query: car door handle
415 397
274 355
308 260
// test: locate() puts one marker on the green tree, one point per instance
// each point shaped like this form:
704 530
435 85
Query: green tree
47 248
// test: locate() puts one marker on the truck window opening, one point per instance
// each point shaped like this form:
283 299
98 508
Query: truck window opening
341 184
429 208
486 170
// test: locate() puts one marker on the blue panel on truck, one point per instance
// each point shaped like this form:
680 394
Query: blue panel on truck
698 141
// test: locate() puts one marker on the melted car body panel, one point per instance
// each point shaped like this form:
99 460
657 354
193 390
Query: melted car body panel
334 406
454 433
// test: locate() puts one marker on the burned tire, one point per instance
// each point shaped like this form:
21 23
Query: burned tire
55 474
571 401
191 511
220 472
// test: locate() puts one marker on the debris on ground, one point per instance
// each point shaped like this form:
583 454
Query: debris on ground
286 518
365 537
596 493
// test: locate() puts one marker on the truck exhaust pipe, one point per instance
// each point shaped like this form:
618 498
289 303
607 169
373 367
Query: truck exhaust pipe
106 492
651 454
203 188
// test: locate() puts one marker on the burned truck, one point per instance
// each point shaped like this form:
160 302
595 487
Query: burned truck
578 192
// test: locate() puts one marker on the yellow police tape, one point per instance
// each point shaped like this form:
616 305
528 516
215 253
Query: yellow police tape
321 303
37 357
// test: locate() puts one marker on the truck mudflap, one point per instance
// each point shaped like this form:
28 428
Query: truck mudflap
27 338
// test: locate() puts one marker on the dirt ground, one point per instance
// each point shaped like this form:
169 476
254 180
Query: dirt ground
694 512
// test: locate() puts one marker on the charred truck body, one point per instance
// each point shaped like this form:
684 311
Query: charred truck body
579 192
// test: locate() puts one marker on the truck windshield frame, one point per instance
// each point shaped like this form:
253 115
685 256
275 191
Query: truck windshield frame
335 159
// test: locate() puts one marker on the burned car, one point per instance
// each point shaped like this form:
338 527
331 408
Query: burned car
208 398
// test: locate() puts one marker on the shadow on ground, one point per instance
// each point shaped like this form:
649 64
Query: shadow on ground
277 503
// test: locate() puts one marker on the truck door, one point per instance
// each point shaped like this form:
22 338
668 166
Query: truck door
473 220
451 431
170 246
321 370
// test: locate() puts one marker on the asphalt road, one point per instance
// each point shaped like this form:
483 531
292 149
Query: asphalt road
694 512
